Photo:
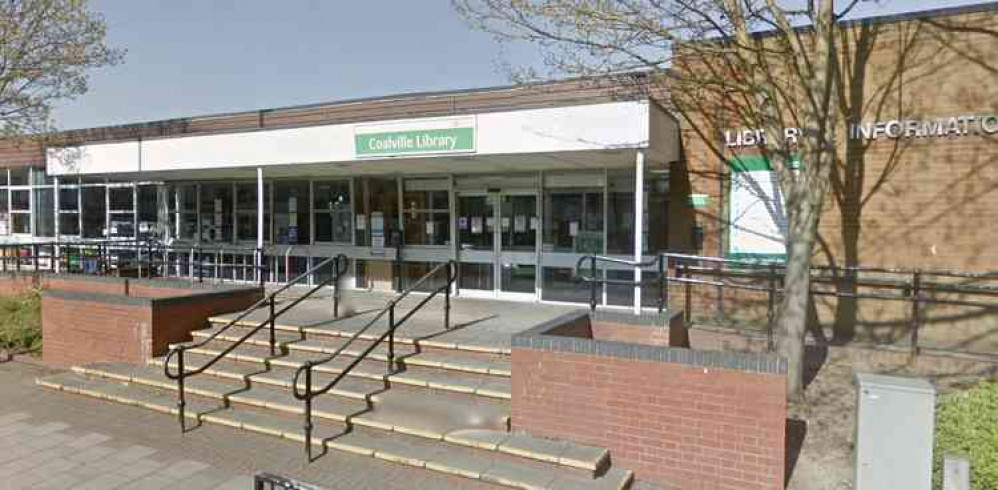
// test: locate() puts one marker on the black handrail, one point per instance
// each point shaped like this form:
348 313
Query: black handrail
389 308
595 281
340 263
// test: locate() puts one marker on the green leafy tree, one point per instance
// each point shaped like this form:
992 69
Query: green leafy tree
47 48
713 56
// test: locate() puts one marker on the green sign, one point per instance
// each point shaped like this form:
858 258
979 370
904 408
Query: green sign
415 141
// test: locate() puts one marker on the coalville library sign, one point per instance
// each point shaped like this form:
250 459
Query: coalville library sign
965 125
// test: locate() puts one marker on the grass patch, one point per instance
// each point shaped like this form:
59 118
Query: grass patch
967 426
21 322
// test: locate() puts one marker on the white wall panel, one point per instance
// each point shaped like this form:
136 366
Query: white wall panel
559 129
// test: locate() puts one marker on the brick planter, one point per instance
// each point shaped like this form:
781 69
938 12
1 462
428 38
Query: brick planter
127 320
676 416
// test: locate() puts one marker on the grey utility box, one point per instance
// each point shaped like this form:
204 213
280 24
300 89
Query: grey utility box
895 422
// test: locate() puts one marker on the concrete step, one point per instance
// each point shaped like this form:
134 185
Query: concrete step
411 354
284 365
503 468
436 337
414 412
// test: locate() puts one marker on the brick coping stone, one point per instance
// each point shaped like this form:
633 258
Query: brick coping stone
540 338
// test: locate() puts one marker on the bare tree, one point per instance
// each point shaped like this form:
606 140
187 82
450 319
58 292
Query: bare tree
47 48
766 66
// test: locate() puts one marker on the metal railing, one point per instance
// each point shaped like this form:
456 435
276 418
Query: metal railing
339 263
919 287
595 280
269 481
393 324
143 258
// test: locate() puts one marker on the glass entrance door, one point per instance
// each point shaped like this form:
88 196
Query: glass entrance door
497 241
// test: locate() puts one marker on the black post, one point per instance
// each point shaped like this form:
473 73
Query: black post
200 264
391 338
688 303
181 401
447 296
261 271
661 283
592 283
17 261
916 286
273 339
771 310
308 410
336 287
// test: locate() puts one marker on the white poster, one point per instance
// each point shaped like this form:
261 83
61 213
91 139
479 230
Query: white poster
476 225
292 204
505 223
756 211
520 223
534 223
573 228
462 223
489 225
361 222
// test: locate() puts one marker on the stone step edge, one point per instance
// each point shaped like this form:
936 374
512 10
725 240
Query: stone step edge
215 419
437 344
414 360
400 378
298 409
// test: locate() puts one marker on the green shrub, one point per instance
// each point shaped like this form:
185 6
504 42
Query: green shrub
967 426
20 322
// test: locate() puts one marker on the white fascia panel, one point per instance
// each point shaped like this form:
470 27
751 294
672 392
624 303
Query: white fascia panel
93 159
574 128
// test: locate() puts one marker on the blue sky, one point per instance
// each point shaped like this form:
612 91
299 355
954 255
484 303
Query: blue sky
191 57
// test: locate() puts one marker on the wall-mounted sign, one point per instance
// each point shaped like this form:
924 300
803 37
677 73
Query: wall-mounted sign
757 218
699 201
452 135
966 125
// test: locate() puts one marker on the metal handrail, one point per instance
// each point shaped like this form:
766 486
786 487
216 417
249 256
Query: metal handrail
594 281
389 308
340 263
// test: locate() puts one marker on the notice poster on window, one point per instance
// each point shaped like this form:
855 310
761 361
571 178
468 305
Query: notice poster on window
758 218
520 224
505 223
489 224
573 228
431 228
218 212
292 204
462 223
361 222
476 225
534 223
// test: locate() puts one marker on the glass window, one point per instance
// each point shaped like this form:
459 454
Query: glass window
246 211
333 213
620 215
94 211
291 213
69 224
148 209
19 176
216 213
39 177
69 199
121 199
20 200
21 223
4 211
427 217
122 225
44 211
573 221
182 204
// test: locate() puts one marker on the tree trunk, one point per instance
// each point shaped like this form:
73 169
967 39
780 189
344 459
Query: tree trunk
792 320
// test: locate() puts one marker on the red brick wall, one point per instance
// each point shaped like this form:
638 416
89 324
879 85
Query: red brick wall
700 428
174 320
77 331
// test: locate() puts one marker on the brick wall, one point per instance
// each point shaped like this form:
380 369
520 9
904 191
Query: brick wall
674 416
78 328
90 319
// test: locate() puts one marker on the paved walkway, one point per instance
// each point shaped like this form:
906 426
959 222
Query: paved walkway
76 442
